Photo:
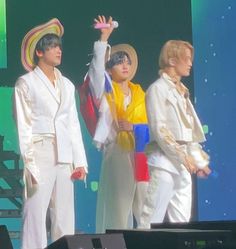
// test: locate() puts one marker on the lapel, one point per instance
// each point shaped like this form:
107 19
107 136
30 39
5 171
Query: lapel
197 123
45 81
62 88
174 98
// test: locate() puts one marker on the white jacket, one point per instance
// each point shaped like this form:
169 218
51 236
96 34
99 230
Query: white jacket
39 110
170 121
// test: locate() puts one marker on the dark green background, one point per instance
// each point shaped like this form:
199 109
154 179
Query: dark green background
144 24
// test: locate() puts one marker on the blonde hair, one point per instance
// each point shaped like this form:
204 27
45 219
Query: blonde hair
173 49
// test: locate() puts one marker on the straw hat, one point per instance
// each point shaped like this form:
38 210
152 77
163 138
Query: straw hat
132 55
33 36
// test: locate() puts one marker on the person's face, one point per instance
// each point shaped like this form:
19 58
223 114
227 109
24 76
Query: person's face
183 65
121 72
51 56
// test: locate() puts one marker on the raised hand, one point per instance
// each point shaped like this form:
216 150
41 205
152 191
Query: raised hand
105 32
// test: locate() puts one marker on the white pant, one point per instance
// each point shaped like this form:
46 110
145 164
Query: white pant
55 191
139 197
167 193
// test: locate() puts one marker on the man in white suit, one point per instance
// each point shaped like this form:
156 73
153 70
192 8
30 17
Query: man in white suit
174 152
49 136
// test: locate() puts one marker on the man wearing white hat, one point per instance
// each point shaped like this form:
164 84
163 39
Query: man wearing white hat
49 136
121 132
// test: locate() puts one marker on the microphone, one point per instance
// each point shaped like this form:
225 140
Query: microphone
114 24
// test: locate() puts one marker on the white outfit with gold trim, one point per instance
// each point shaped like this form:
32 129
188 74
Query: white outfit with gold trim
51 145
174 130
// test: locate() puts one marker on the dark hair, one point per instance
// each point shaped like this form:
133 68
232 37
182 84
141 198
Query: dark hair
46 42
117 58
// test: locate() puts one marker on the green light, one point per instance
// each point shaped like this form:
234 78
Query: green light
205 129
3 50
7 123
94 186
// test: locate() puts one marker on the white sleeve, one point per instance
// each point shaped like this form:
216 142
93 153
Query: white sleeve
79 155
97 69
23 112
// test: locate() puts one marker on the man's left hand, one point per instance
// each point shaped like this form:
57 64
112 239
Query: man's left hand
124 125
78 173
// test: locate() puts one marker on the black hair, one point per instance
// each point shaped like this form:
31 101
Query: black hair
117 58
46 42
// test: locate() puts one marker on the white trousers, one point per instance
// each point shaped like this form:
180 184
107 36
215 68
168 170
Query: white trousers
54 191
139 197
169 194
119 196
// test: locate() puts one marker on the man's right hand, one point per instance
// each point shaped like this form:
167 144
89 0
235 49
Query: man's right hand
204 173
105 32
190 165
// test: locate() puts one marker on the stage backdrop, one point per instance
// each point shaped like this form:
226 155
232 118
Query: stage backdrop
214 34
146 26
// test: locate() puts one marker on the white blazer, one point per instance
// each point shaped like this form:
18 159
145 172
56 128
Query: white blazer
169 123
40 110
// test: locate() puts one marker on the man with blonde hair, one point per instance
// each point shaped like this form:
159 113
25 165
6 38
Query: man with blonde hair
174 152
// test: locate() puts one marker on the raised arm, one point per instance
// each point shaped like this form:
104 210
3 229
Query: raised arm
97 70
